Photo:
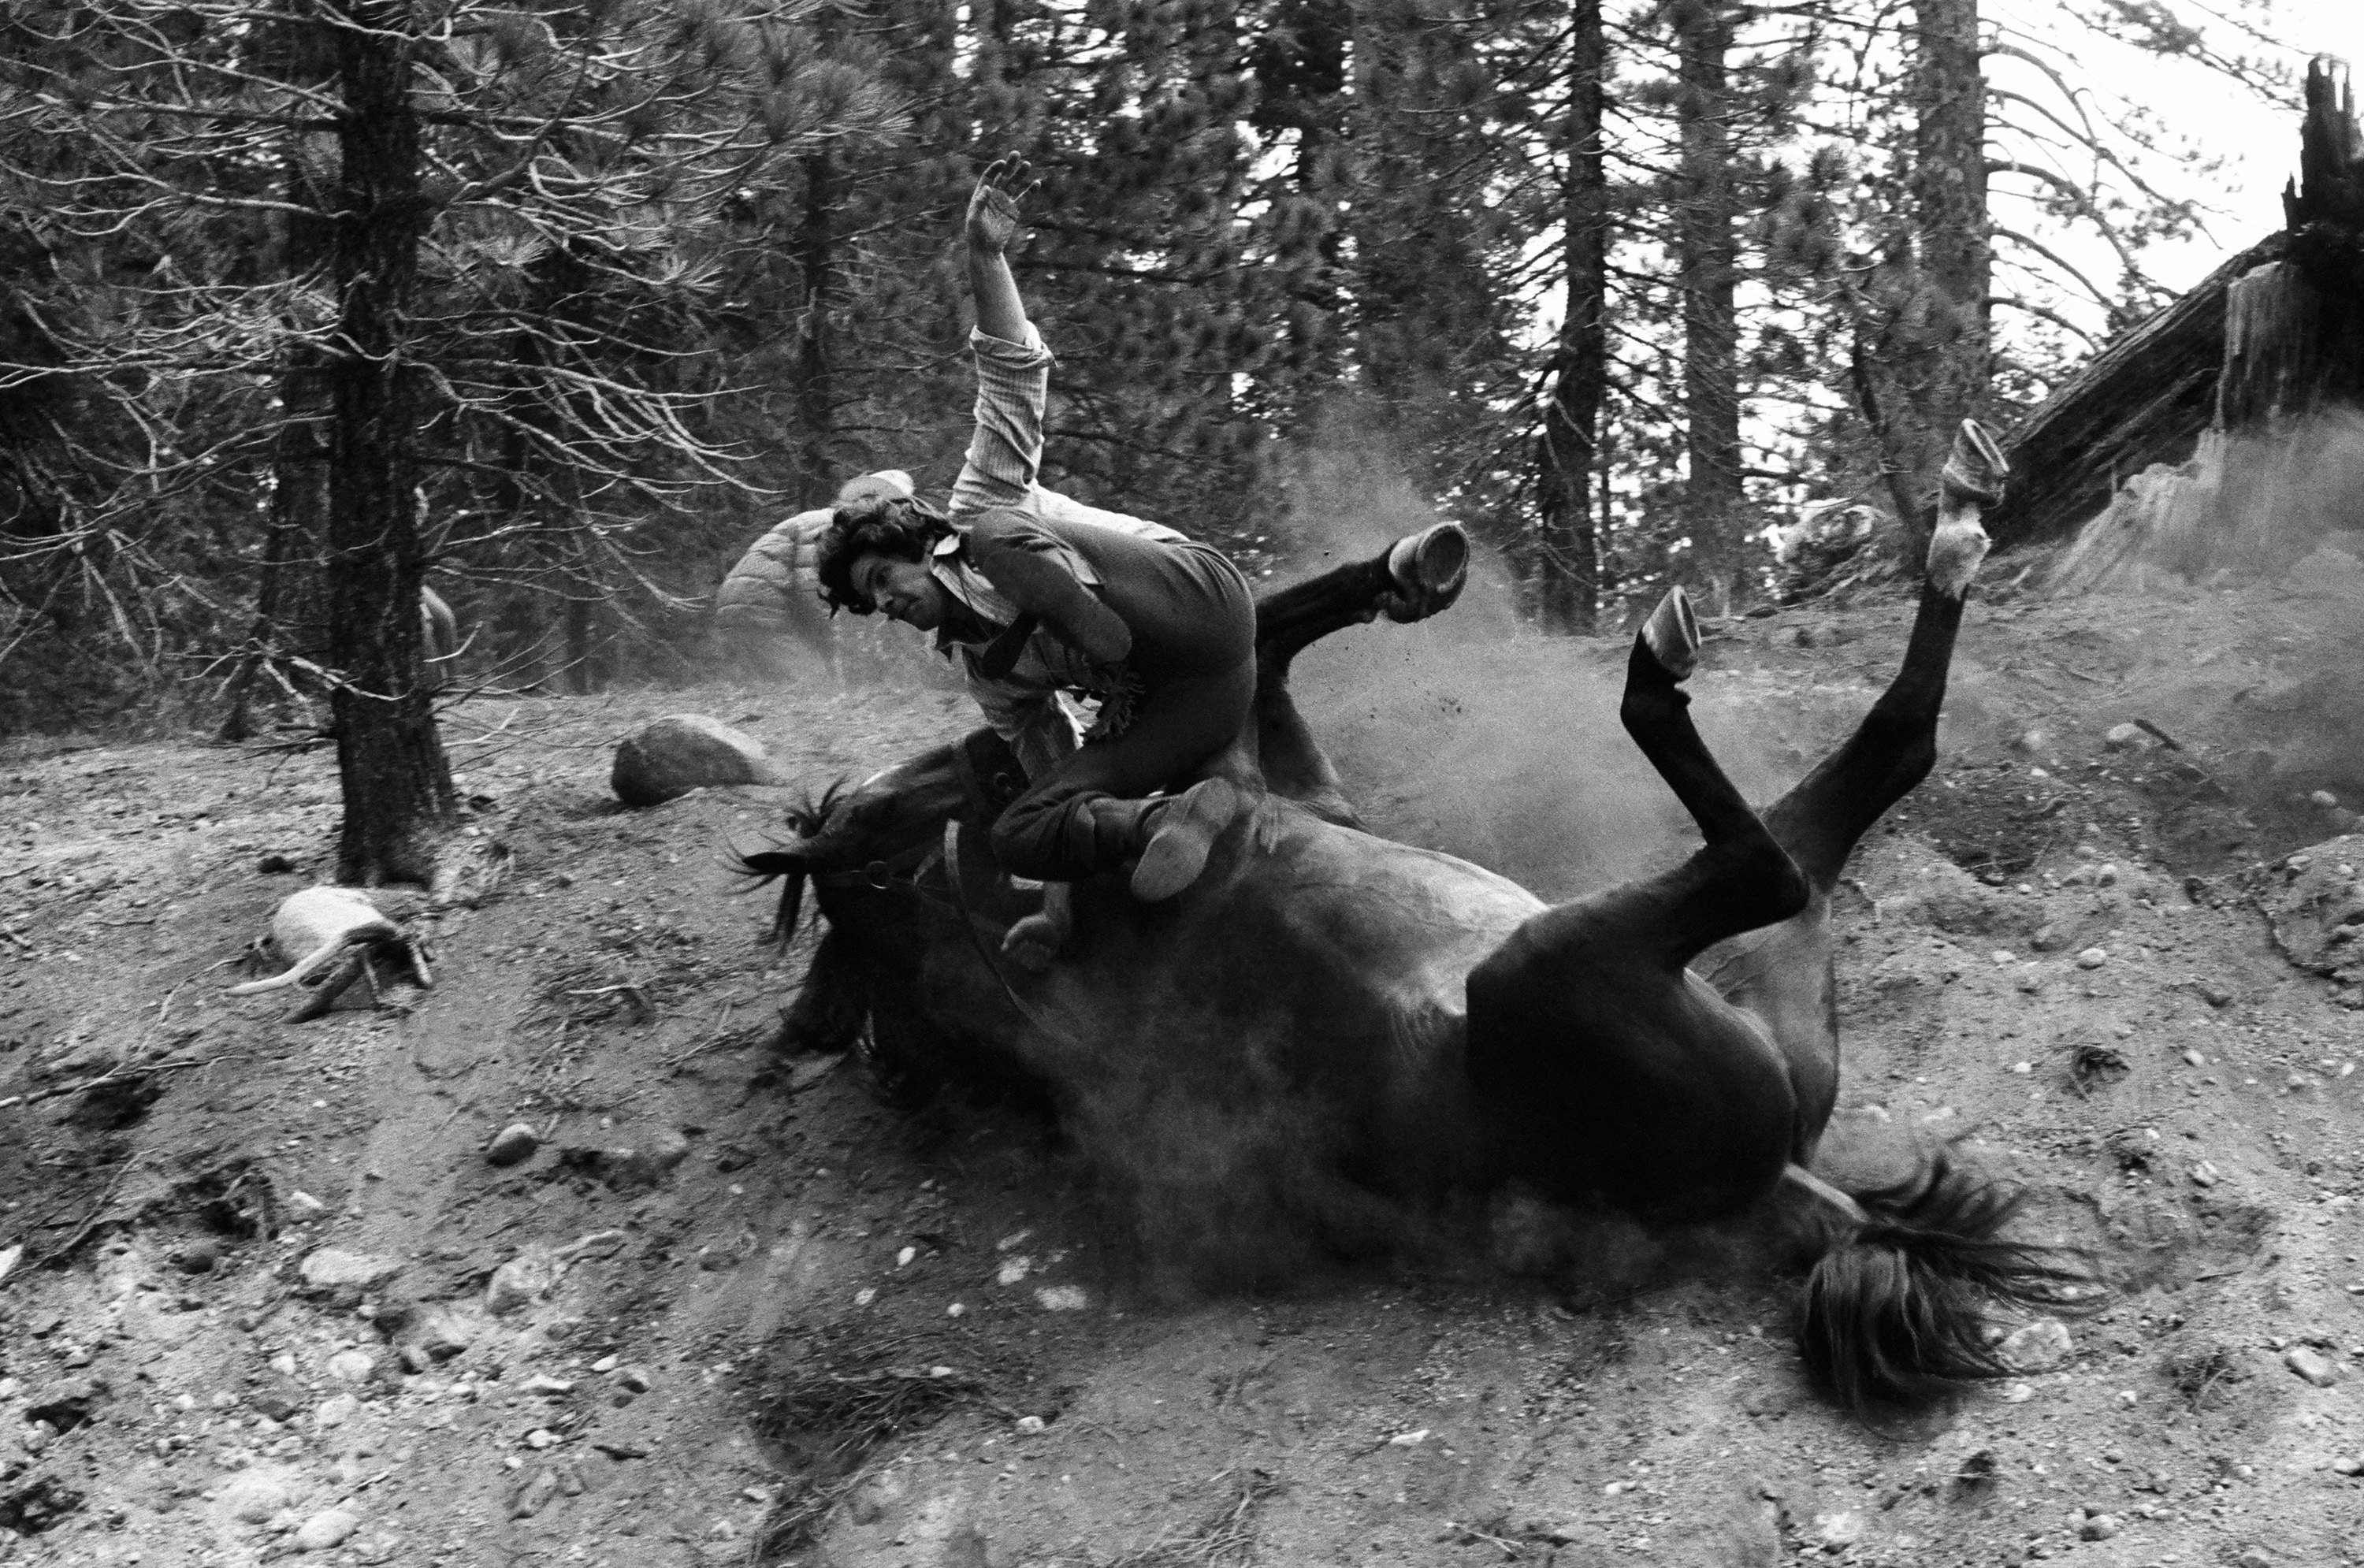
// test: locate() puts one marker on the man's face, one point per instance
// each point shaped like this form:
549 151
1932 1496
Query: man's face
902 590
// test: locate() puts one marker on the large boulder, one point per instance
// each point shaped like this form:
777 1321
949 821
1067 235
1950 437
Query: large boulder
668 757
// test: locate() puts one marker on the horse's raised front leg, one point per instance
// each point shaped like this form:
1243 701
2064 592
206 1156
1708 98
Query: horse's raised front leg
1412 579
1782 974
1604 1068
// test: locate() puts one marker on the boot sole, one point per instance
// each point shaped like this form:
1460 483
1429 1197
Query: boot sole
1186 835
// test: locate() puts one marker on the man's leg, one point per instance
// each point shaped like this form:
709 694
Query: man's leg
1089 814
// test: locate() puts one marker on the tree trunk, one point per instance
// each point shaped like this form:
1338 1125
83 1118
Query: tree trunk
397 785
1568 554
1708 253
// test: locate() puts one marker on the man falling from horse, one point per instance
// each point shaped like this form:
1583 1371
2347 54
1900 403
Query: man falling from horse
1038 596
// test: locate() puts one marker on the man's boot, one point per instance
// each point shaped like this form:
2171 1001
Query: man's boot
1182 831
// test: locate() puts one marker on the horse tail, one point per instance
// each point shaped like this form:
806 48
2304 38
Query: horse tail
1894 1314
789 867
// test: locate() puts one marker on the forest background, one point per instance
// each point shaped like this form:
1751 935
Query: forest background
557 307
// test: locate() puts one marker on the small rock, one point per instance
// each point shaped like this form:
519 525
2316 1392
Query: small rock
2205 1175
634 1379
534 1495
2093 958
330 1268
2324 799
2128 738
2253 1559
543 1382
274 866
65 1403
252 1498
336 1410
570 1481
351 1366
2348 1464
2037 1347
2018 1393
512 1145
1029 1425
605 1364
2193 1058
542 1437
1836 1531
1409 1439
199 1257
523 1278
325 1530
2311 1365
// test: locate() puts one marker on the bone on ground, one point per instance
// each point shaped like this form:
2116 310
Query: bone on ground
318 924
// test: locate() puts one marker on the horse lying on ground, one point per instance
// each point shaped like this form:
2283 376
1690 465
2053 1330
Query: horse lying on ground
1664 1050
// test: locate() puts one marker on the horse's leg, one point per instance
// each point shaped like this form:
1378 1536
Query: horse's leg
1782 974
1412 579
1606 1069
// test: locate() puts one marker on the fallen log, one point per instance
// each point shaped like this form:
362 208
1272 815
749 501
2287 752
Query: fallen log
2143 400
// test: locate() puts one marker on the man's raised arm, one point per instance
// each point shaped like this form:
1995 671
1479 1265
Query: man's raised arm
1013 369
992 225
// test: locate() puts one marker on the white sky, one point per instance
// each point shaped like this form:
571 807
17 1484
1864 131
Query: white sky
2258 140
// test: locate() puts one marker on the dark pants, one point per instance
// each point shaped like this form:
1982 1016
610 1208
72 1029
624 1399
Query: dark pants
1194 649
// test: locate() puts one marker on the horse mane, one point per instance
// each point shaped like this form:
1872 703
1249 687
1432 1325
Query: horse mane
782 860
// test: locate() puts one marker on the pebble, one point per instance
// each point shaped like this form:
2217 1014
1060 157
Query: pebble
519 1281
2312 1365
542 1437
1837 1530
254 1498
512 1145
1029 1425
543 1382
2127 738
351 1366
329 1267
326 1528
2099 1526
534 1495
605 1364
2018 1393
2204 1174
2039 1346
336 1410
1409 1439
199 1257
634 1379
2093 958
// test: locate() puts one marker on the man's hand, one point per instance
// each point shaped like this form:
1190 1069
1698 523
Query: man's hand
993 206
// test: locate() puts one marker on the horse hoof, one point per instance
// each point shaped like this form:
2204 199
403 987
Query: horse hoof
1186 833
1975 473
1671 635
1428 569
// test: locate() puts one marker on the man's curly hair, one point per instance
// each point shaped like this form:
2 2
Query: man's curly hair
892 526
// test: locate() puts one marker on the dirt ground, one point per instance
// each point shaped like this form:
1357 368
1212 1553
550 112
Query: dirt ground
273 1298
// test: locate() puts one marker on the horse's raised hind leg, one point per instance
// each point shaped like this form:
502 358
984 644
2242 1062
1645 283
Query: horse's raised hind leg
1782 974
1602 1065
1820 819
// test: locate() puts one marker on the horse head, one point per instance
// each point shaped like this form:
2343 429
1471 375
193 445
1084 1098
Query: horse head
865 833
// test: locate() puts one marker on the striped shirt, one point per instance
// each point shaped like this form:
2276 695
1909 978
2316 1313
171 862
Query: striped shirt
1005 457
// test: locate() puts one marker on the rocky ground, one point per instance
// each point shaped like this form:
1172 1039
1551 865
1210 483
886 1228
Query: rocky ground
268 1292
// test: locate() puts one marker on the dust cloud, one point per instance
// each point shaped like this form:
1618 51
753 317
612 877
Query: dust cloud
1474 734
2287 503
